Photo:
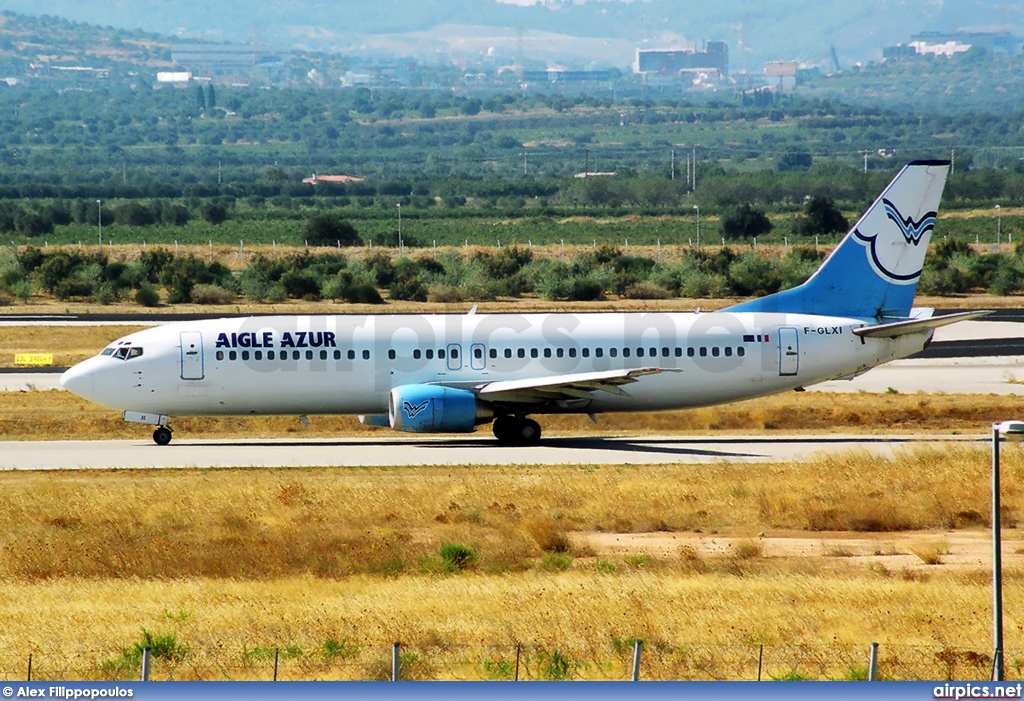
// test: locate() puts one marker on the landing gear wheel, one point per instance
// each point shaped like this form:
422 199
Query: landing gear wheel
528 433
504 429
512 430
162 436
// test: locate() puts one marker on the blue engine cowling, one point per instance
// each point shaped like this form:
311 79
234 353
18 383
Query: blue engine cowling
434 409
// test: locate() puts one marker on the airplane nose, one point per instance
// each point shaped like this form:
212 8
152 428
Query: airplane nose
78 380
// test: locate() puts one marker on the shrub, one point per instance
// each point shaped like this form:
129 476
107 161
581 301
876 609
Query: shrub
645 290
458 557
213 213
412 290
147 296
212 294
744 222
445 294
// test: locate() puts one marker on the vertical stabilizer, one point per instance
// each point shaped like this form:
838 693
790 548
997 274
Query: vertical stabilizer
873 272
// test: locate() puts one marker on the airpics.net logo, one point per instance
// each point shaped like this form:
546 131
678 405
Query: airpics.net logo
978 691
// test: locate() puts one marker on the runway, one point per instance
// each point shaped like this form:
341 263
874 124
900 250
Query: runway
389 449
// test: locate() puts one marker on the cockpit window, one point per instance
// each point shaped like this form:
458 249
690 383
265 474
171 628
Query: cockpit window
134 352
107 351
121 353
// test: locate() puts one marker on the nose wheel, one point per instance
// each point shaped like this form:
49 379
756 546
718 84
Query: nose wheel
162 436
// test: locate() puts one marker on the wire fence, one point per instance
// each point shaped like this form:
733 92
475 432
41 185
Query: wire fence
619 660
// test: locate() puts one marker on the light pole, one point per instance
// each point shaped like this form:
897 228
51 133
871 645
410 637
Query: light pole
698 226
399 205
1013 431
999 229
99 221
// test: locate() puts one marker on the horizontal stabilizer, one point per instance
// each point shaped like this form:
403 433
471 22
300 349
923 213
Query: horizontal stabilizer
903 328
575 386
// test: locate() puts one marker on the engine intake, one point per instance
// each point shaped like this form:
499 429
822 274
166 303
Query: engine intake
435 409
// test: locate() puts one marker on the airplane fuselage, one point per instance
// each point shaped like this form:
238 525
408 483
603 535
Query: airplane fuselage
347 364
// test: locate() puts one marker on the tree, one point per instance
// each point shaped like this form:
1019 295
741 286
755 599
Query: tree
211 97
744 222
329 230
822 217
200 100
794 158
213 213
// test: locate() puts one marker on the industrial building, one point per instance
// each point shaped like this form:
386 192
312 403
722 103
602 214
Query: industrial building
231 60
715 56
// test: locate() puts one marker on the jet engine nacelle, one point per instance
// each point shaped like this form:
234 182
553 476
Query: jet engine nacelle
435 409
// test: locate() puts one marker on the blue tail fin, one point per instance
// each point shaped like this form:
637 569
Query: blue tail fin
873 272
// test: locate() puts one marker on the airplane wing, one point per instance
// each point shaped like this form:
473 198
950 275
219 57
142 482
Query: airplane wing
562 387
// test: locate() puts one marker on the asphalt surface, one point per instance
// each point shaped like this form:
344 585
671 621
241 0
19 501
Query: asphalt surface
480 449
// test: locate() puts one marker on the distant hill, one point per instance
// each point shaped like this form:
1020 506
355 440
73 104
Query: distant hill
601 33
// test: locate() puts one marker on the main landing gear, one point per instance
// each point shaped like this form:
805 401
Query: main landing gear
162 436
516 430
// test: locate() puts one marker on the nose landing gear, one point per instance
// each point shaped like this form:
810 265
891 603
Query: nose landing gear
162 436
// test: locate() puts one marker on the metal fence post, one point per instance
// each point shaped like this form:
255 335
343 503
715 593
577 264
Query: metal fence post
394 662
29 667
145 664
518 648
760 661
277 652
873 663
637 646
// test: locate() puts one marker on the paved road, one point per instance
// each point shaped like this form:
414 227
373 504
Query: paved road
469 450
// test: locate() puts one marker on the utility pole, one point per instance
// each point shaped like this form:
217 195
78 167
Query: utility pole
99 221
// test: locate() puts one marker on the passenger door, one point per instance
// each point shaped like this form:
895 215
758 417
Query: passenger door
789 351
192 356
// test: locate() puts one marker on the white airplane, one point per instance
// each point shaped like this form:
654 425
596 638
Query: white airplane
450 373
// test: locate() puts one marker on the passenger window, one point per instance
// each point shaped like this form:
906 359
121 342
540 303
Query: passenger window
625 352
455 353
572 352
430 354
232 355
391 354
521 353
271 356
245 355
703 352
416 354
639 352
351 354
598 352
560 352
613 352
654 352
494 353
309 355
534 353
440 353
257 355
337 354
714 351
296 355
477 353
741 351
220 355
508 352
586 352
689 352
728 351
323 355
366 355
664 352
547 352
679 352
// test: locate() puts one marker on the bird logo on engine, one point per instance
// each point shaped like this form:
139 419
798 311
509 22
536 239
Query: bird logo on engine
412 411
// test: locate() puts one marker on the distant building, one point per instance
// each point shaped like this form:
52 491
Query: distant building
951 43
344 179
675 61
595 174
560 77
231 60
79 72
782 73
173 77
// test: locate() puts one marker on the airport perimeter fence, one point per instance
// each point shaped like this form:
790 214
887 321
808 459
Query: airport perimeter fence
619 660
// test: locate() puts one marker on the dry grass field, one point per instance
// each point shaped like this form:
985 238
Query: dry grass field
329 566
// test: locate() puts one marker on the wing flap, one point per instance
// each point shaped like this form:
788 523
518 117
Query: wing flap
909 326
575 386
